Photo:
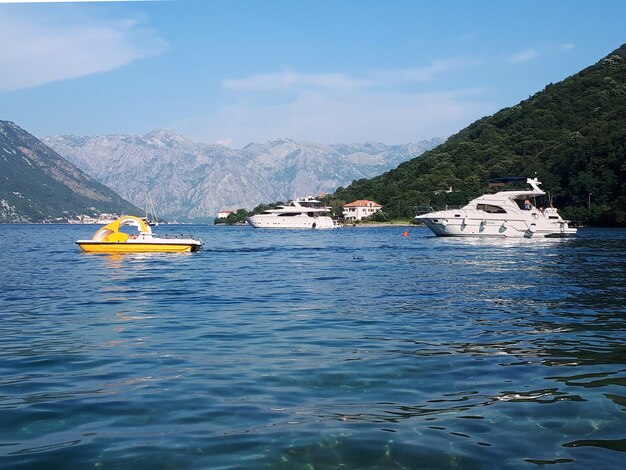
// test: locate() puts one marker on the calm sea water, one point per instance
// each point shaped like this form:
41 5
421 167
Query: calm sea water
353 348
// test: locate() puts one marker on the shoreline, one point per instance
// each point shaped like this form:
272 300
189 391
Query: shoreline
383 224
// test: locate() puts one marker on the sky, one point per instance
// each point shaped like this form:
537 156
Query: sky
240 71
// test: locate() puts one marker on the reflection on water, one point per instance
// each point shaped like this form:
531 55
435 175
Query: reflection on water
350 348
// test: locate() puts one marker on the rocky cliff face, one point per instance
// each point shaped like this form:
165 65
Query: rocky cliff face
38 185
187 180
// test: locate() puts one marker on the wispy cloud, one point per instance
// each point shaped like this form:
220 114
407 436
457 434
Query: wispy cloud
540 51
288 80
226 142
37 50
426 73
348 116
523 56
385 105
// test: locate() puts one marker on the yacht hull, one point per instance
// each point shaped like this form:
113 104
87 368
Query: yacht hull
443 226
292 222
301 213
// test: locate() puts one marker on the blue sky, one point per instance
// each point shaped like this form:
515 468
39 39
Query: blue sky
243 71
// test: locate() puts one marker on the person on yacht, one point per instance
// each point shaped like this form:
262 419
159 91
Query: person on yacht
527 205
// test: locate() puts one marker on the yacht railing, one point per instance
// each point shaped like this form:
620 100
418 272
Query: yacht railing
478 214
421 210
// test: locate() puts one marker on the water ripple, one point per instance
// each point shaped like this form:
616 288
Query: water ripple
354 348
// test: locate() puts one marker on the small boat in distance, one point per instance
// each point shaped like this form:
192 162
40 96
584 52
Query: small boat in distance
110 239
302 212
503 214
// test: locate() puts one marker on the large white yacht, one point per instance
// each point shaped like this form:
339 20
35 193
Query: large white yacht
503 214
302 212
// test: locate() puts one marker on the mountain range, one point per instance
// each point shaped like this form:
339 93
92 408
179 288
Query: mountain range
38 185
187 180
572 135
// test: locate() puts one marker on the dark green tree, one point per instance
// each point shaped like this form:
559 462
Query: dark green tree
571 135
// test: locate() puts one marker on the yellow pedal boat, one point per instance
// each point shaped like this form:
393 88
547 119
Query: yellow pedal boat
109 239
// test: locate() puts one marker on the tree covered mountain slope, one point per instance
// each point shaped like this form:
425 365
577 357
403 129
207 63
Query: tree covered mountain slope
572 135
38 185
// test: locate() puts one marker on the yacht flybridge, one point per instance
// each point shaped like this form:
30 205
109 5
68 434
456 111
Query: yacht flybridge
503 214
302 212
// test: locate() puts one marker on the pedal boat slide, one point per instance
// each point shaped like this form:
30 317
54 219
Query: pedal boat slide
110 239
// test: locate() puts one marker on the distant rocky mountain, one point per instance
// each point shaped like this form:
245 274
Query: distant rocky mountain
187 180
38 185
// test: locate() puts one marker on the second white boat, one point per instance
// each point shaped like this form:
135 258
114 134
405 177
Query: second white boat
301 213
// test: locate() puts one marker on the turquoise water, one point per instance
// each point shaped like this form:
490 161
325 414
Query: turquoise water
352 348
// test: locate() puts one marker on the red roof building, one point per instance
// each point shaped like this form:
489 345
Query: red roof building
359 209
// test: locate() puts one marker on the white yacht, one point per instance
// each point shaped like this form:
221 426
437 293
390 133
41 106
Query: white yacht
503 214
302 212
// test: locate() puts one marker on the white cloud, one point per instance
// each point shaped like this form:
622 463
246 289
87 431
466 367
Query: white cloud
336 107
38 50
227 142
427 73
354 116
288 80
544 50
523 56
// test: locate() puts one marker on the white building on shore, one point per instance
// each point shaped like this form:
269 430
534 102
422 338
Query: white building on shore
357 210
224 214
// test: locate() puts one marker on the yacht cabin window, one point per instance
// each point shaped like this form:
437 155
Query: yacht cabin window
490 209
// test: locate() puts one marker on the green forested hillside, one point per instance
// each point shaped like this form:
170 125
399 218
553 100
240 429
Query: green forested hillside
572 135
38 185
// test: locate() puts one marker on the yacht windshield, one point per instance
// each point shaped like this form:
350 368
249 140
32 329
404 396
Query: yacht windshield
490 209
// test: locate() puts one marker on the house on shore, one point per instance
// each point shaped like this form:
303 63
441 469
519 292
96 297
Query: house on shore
224 214
357 210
